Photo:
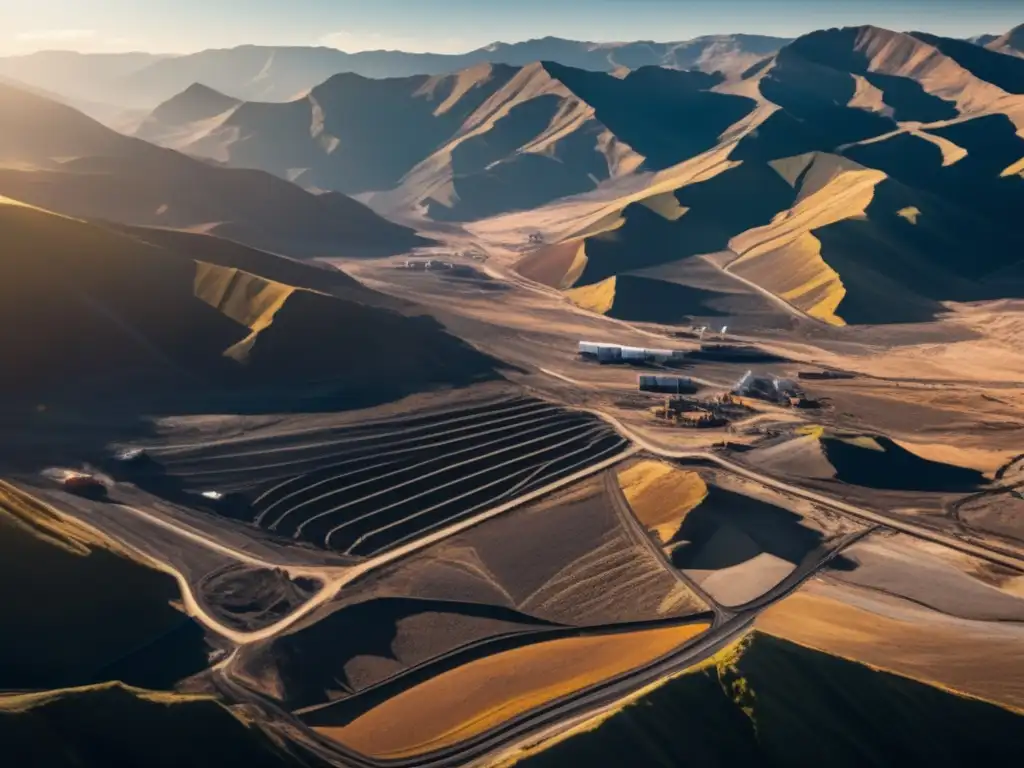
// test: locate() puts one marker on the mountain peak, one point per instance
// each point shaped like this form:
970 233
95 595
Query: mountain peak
199 90
1012 42
858 49
197 102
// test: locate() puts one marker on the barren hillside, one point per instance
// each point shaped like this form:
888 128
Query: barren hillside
59 159
116 314
874 162
482 141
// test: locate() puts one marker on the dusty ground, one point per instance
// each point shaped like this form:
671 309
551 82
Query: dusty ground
982 659
934 577
999 512
947 391
741 539
568 559
572 560
661 495
469 700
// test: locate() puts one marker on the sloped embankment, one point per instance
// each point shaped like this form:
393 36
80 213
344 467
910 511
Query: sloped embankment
117 726
770 702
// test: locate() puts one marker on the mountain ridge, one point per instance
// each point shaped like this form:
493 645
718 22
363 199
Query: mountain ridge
866 142
488 128
1010 43
283 73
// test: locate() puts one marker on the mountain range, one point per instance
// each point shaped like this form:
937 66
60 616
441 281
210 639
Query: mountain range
478 142
496 138
104 85
259 73
847 168
56 158
872 165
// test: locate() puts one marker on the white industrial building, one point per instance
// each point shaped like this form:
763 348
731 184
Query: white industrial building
603 352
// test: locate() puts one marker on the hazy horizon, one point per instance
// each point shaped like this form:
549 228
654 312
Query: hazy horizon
458 26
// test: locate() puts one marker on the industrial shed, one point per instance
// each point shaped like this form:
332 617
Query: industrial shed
607 353
669 385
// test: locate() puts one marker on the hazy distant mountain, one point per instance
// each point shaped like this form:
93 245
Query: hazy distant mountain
728 53
172 123
57 158
1011 43
85 76
110 115
256 73
982 40
481 141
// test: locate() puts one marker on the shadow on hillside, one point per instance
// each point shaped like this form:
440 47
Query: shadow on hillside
525 181
89 617
385 127
817 95
398 632
116 727
895 468
779 704
967 206
523 123
737 200
909 101
1007 72
647 300
666 115
728 529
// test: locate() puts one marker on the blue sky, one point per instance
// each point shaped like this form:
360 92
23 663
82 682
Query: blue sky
457 25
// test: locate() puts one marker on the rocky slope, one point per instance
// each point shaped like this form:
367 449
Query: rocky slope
57 158
873 163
